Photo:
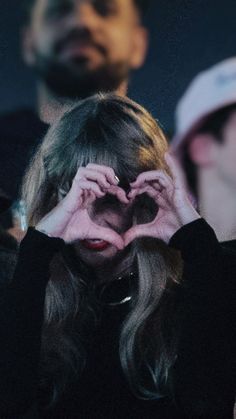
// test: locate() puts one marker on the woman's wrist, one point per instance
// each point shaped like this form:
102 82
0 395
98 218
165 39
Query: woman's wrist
48 226
180 220
41 230
188 218
187 215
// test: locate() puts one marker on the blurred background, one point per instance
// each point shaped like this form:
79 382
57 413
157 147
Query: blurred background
186 37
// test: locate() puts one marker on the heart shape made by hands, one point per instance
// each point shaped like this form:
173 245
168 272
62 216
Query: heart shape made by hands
144 203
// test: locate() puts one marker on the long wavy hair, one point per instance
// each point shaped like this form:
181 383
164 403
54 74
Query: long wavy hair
117 132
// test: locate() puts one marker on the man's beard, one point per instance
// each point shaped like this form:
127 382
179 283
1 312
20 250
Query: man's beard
74 80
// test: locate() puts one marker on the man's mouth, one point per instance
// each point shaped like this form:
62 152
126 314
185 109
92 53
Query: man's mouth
95 244
76 50
78 47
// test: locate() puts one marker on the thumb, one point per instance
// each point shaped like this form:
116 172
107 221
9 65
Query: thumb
108 235
135 232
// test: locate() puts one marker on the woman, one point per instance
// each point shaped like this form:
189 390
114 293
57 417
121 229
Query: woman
121 300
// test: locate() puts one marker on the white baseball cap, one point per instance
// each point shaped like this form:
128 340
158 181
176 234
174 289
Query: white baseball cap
209 91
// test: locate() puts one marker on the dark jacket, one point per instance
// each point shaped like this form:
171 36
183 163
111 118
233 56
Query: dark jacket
204 371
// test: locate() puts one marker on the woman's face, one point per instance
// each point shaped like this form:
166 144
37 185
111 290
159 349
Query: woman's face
107 212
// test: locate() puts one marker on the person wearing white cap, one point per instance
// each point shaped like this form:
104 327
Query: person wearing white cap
205 144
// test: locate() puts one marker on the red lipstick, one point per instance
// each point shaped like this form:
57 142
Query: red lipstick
98 245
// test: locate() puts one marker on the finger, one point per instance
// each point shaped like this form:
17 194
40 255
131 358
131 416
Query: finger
107 234
165 183
77 191
119 193
157 186
161 202
83 198
135 232
152 175
94 175
85 194
152 192
133 193
107 171
90 198
156 195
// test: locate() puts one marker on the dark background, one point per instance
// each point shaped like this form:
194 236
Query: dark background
186 37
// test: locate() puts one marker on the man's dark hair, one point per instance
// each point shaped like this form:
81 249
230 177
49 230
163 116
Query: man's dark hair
142 6
214 125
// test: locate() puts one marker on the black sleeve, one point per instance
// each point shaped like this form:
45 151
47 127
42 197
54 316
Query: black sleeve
21 308
204 372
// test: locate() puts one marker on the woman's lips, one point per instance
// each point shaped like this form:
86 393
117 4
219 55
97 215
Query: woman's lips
95 244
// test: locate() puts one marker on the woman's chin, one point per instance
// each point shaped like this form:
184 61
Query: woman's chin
95 252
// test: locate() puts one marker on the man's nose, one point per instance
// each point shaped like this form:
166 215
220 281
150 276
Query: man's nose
84 16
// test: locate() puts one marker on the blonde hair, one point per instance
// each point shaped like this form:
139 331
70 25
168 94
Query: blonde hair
115 131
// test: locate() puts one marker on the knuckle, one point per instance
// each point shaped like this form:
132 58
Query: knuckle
110 171
103 178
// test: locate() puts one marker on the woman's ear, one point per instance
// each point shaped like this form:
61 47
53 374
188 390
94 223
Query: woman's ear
202 149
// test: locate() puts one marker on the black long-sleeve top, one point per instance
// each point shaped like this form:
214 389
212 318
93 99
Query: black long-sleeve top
204 371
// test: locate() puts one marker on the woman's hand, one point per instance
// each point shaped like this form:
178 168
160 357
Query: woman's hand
70 219
174 206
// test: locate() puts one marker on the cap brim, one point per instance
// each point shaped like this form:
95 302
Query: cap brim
178 141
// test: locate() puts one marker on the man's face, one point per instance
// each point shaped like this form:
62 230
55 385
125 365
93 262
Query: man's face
225 152
79 47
